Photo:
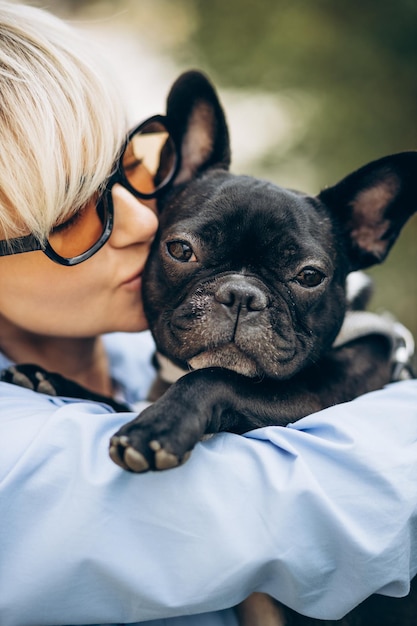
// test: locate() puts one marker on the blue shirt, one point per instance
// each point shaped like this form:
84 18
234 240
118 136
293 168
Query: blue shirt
320 514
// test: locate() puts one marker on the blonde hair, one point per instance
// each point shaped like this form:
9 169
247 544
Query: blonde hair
61 121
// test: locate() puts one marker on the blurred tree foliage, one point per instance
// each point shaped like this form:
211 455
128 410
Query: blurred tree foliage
357 58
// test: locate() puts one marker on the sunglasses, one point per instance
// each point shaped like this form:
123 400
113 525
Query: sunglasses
147 164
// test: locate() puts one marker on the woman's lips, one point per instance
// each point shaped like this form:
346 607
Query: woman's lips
134 282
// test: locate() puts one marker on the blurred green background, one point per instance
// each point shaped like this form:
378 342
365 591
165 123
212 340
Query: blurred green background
312 89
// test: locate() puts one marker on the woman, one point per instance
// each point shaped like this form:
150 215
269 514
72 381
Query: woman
320 514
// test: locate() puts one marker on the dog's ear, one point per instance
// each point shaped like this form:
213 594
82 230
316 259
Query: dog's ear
198 125
372 205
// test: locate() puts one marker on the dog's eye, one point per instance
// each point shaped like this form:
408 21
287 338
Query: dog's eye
181 251
309 277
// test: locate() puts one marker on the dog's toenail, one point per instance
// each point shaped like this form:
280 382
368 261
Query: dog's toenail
21 379
46 388
114 455
135 460
165 460
123 440
155 445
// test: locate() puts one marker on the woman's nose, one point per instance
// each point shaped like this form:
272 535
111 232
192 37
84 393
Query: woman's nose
134 221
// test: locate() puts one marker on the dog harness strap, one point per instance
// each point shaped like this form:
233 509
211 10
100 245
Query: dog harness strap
359 324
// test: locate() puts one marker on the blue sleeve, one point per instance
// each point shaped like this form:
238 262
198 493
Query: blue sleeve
320 514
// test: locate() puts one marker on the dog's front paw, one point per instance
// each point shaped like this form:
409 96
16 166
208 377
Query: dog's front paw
31 377
155 440
123 453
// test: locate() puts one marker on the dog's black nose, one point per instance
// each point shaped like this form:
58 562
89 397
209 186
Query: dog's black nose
241 292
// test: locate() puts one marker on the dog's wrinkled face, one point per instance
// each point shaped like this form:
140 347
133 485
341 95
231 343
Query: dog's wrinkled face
247 281
246 275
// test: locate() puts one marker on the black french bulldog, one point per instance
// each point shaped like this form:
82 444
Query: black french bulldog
245 289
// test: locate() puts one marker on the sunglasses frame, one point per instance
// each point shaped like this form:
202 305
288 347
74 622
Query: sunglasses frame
30 243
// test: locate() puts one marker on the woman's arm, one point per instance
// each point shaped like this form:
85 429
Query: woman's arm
319 514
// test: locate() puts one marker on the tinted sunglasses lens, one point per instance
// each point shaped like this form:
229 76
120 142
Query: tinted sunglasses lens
82 231
150 158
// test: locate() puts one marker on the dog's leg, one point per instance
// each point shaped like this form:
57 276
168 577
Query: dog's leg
259 609
215 400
